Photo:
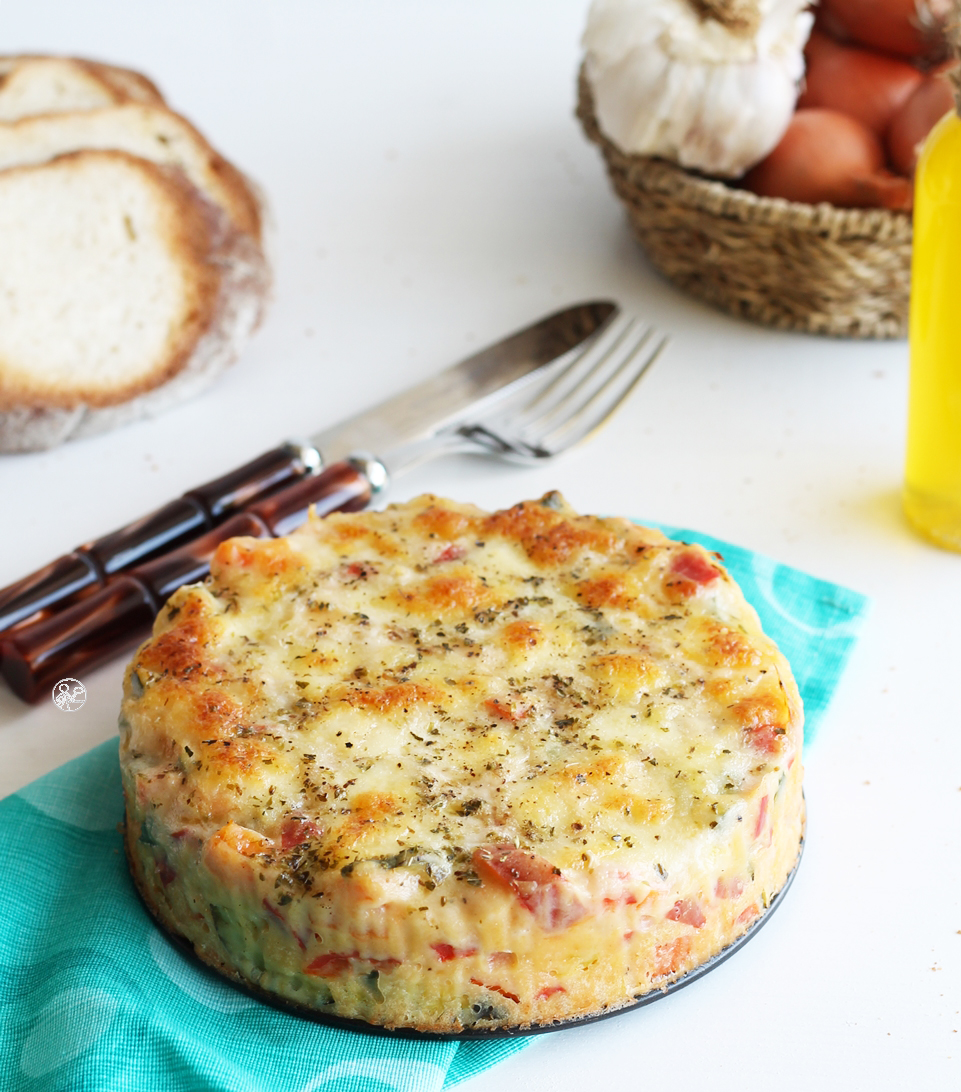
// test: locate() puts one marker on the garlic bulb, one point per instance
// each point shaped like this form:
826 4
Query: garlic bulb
709 84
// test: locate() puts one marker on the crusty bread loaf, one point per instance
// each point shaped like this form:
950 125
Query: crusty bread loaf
150 131
34 85
123 289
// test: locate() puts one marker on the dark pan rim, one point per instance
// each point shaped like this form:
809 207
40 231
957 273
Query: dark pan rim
345 1024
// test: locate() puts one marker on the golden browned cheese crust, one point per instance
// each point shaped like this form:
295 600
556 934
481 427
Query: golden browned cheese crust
441 769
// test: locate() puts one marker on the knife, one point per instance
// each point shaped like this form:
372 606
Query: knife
411 416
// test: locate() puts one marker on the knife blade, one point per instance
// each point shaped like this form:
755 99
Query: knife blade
427 408
412 415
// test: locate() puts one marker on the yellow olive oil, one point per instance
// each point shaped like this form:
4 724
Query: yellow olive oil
932 491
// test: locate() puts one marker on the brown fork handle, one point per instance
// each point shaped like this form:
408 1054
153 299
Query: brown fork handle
105 623
199 509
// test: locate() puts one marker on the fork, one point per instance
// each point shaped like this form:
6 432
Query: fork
535 421
566 404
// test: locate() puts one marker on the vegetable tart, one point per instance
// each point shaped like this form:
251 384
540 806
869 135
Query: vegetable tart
438 769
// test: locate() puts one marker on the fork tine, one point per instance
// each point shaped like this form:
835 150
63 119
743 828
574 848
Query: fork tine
567 407
580 372
589 383
572 419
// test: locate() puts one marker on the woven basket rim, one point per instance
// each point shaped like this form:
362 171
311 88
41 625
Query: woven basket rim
720 199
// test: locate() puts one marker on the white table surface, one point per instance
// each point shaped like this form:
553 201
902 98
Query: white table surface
431 191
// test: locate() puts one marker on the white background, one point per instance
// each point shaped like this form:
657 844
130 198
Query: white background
432 191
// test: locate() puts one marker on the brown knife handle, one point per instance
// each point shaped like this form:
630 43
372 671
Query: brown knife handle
197 510
101 625
34 656
346 486
261 476
90 632
343 486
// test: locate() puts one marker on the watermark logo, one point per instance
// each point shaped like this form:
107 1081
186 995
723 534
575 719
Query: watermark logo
69 695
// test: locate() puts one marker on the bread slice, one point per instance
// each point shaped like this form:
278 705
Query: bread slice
141 129
123 290
34 85
42 85
132 85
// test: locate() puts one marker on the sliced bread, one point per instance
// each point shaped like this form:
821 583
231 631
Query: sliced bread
122 290
33 85
45 85
147 130
133 85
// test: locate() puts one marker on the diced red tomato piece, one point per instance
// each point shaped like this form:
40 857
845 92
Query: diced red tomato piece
507 710
451 553
766 738
298 830
686 911
692 565
669 957
630 899
515 868
353 571
765 721
382 964
548 991
747 915
497 989
540 887
337 963
330 965
726 888
446 952
761 817
501 959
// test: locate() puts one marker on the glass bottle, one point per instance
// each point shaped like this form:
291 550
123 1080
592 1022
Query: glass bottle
932 490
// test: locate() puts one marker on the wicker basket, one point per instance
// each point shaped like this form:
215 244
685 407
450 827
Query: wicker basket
817 268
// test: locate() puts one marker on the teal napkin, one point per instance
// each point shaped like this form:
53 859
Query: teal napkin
93 997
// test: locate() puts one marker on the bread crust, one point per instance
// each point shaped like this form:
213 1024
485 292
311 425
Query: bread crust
118 83
227 286
27 140
125 86
129 85
449 771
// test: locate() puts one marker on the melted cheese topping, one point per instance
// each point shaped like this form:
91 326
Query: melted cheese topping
546 719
